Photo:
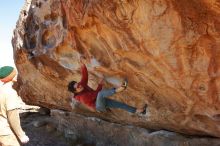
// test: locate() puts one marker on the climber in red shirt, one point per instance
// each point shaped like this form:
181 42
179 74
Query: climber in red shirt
96 100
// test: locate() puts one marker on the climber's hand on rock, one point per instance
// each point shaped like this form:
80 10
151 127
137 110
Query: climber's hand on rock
97 68
82 60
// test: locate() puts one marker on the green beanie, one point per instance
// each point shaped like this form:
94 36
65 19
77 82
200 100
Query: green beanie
5 71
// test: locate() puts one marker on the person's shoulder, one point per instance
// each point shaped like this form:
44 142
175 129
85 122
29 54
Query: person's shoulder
7 87
4 88
8 90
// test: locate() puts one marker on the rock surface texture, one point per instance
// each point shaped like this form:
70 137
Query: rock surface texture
168 50
96 132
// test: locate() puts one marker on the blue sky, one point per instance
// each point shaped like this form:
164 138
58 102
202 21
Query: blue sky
9 13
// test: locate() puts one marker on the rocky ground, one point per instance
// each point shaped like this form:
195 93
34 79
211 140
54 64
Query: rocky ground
43 126
41 129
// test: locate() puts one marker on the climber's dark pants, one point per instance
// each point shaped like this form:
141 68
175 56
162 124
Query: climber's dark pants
102 102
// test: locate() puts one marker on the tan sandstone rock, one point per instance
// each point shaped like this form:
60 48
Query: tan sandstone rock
168 50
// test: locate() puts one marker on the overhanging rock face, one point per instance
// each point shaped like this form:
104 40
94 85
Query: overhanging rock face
168 50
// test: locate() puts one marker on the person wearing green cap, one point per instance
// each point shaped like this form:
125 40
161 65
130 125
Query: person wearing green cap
11 133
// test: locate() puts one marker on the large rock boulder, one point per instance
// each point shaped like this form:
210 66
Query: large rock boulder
168 50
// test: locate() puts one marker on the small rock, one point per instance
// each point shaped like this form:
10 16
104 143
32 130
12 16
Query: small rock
39 123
